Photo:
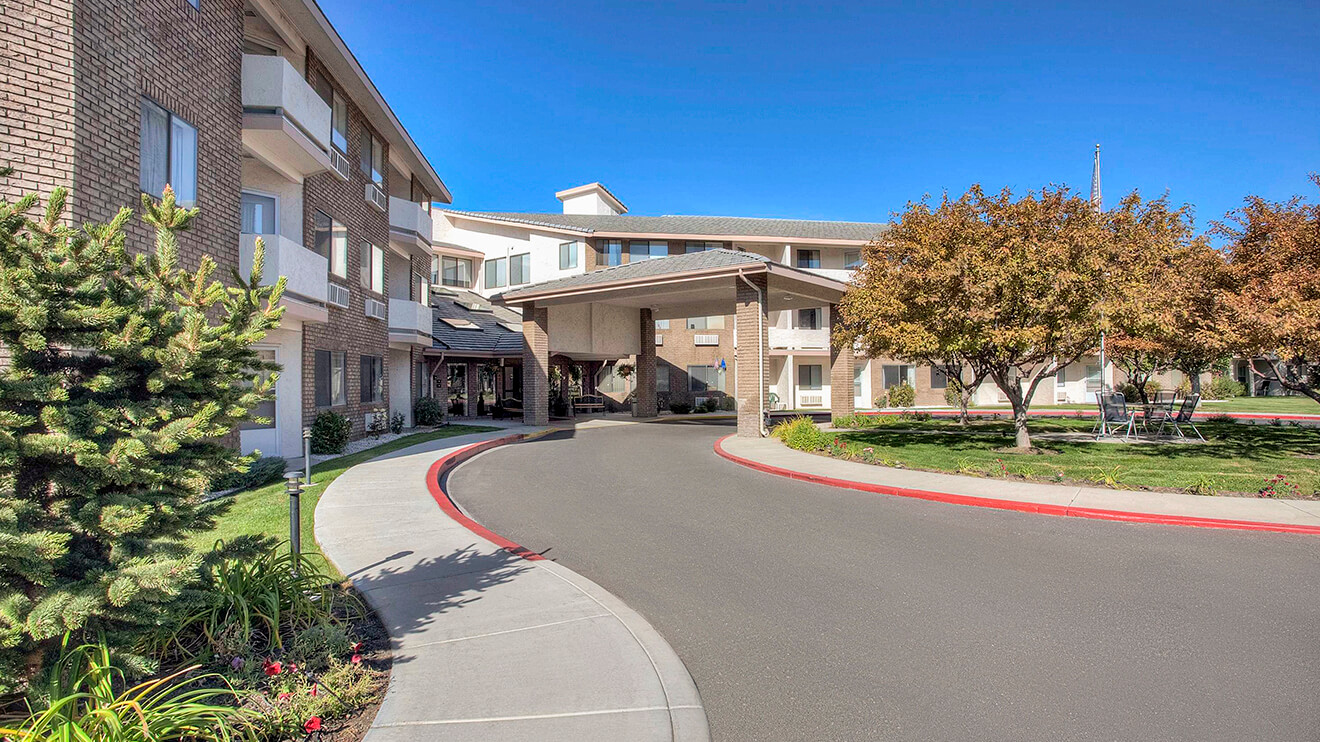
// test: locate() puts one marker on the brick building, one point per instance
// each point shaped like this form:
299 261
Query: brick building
257 112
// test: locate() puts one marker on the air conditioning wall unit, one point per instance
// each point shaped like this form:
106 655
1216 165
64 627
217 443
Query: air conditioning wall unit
337 295
340 164
376 309
659 339
811 400
376 197
705 339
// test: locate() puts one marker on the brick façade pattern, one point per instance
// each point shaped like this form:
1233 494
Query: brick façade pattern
36 96
752 369
841 372
536 365
646 367
349 330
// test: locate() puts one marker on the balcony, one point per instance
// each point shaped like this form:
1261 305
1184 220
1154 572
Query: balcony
306 286
410 323
410 226
285 123
792 339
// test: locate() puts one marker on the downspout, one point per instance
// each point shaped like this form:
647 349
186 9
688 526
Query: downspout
760 352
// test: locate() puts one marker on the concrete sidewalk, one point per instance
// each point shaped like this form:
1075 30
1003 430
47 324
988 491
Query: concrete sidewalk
488 645
768 454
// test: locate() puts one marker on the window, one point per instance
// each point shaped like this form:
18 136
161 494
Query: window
808 258
705 379
331 378
520 269
330 241
857 379
702 246
1092 378
662 324
495 273
809 377
613 251
456 272
373 378
568 255
168 154
265 410
938 379
895 374
706 323
338 122
258 214
661 377
646 250
607 381
371 273
808 319
852 259
371 158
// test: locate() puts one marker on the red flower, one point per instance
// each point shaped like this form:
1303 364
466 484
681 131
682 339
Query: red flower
272 668
312 725
356 659
284 696
293 667
313 691
356 648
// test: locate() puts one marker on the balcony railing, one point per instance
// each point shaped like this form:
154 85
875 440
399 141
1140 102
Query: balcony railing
304 270
410 321
285 123
408 218
797 339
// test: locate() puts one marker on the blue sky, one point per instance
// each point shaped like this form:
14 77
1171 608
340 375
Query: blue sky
847 112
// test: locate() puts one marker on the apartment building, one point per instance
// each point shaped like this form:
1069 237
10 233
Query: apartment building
694 355
256 112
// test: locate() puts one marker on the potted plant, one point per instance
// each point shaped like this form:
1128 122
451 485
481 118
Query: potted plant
625 371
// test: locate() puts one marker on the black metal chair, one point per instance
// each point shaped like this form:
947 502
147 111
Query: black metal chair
1183 417
1114 415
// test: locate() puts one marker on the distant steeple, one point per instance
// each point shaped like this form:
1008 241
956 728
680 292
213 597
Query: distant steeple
1096 200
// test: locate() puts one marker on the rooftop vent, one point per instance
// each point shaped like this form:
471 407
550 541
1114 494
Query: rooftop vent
460 324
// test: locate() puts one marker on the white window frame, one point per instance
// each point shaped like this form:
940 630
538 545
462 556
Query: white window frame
526 259
375 267
651 246
568 255
806 384
612 257
501 267
264 194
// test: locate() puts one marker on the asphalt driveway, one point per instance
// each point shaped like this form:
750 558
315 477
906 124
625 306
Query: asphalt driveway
806 612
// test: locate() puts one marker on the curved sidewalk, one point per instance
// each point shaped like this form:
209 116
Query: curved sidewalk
491 642
1166 508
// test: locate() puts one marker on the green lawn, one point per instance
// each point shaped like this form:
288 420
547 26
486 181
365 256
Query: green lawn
1237 459
265 510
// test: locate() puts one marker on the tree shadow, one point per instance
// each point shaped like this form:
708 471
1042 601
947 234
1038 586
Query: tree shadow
425 591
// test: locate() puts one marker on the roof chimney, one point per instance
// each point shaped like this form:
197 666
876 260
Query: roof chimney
592 198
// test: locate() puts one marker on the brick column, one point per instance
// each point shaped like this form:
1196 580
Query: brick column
536 366
841 372
473 387
645 371
752 356
442 376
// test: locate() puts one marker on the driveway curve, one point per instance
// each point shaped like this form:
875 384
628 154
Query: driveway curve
806 612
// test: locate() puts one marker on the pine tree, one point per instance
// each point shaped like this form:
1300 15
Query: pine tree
128 376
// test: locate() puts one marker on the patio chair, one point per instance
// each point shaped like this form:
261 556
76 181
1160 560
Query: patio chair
1114 415
1183 417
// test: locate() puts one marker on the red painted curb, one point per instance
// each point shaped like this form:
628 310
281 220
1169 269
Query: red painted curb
446 464
1088 413
1018 505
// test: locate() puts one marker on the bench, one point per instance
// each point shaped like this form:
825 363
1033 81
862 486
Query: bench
589 403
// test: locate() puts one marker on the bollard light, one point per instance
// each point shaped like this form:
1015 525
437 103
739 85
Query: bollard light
307 456
294 488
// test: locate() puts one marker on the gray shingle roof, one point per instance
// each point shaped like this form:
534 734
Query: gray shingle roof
491 338
644 269
693 225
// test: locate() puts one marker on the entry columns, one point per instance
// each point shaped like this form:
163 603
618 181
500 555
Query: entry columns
752 354
473 387
536 365
645 370
841 371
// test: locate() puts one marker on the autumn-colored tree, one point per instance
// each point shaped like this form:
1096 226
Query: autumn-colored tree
1013 286
1270 302
1159 320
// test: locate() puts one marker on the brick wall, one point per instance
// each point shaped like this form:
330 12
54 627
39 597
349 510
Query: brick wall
536 365
36 96
348 330
753 372
189 61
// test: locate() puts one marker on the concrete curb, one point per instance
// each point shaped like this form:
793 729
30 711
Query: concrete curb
1201 414
536 651
1018 505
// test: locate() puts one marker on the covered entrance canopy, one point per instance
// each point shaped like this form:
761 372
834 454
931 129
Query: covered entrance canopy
610 313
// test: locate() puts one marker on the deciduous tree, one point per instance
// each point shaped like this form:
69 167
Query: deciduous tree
1270 302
